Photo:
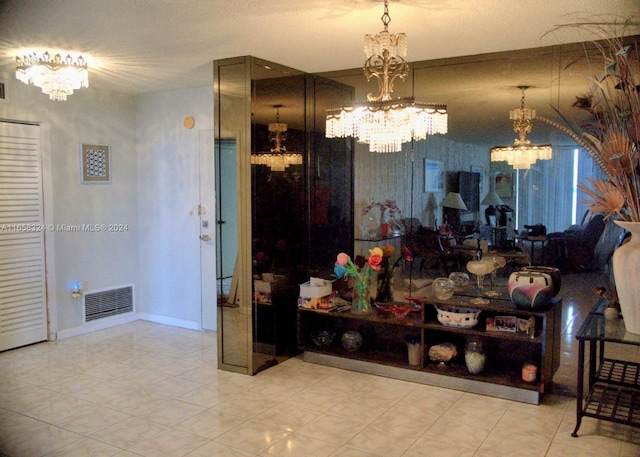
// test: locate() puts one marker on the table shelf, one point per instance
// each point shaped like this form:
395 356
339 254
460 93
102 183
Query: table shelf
384 345
614 404
619 372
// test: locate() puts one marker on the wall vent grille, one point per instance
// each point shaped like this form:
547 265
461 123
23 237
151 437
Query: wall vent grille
106 303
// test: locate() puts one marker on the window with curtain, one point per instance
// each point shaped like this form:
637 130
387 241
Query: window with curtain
547 192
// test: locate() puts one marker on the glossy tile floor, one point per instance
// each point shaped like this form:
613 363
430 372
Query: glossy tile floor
145 389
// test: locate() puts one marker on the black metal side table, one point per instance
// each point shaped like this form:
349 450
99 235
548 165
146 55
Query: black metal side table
613 392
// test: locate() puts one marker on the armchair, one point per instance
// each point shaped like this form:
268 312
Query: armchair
435 250
575 250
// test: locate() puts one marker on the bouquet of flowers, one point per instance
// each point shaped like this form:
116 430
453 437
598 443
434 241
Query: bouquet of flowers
387 205
361 270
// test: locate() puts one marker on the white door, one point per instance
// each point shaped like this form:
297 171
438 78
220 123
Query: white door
23 311
207 231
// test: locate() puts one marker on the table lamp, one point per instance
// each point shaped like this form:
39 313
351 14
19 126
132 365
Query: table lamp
492 199
454 201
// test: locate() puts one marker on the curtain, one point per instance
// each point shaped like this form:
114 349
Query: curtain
546 192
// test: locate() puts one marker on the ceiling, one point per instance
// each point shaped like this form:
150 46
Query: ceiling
145 46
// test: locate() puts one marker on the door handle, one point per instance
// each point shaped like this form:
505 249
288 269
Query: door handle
205 238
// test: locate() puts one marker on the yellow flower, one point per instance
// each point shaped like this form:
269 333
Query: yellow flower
606 198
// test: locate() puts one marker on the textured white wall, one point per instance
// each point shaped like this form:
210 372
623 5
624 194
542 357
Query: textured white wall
168 190
99 259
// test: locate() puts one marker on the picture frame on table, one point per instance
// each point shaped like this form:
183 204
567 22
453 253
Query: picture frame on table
502 324
433 176
95 164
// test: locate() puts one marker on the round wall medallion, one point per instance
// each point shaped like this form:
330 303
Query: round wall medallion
189 122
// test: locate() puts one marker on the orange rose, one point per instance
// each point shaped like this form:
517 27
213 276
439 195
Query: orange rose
375 258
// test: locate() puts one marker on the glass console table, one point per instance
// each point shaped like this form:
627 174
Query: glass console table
362 245
613 392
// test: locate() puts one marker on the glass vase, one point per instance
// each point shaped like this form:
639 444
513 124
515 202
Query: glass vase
474 355
361 303
385 284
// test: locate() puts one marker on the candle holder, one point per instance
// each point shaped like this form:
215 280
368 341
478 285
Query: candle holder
498 262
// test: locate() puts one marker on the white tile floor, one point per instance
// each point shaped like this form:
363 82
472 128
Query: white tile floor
146 389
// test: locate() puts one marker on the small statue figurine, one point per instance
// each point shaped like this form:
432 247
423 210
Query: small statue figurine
529 327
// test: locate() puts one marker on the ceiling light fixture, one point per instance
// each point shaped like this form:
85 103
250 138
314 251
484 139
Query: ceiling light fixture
277 159
382 122
522 154
57 76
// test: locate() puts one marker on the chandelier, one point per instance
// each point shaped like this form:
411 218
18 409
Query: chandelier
277 159
56 76
522 154
382 122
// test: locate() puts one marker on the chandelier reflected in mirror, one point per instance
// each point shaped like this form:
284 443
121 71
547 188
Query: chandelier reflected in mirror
382 122
522 154
277 158
57 76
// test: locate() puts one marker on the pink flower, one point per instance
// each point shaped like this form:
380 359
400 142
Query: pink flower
342 259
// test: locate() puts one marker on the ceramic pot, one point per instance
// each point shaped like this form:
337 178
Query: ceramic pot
530 289
626 271
555 274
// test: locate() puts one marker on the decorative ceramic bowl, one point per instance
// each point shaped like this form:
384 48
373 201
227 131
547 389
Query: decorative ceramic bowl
351 340
460 279
455 316
530 289
323 337
443 288
556 276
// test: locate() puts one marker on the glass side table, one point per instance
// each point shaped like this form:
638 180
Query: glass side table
613 386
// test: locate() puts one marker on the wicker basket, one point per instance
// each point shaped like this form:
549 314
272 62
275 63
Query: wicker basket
454 316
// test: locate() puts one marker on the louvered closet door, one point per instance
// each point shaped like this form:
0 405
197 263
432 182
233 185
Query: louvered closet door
23 314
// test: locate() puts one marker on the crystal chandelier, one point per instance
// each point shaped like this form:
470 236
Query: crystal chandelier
56 76
522 154
382 122
277 159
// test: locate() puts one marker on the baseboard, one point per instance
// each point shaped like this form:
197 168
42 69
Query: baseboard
183 323
100 324
125 319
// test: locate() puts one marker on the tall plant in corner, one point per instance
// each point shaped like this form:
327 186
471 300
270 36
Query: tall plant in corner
612 138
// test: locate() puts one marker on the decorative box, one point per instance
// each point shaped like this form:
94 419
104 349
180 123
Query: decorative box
315 294
264 288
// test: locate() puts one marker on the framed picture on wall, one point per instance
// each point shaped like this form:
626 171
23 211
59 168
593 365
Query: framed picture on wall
433 176
504 186
95 163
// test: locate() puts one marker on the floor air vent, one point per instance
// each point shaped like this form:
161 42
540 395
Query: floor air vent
106 303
